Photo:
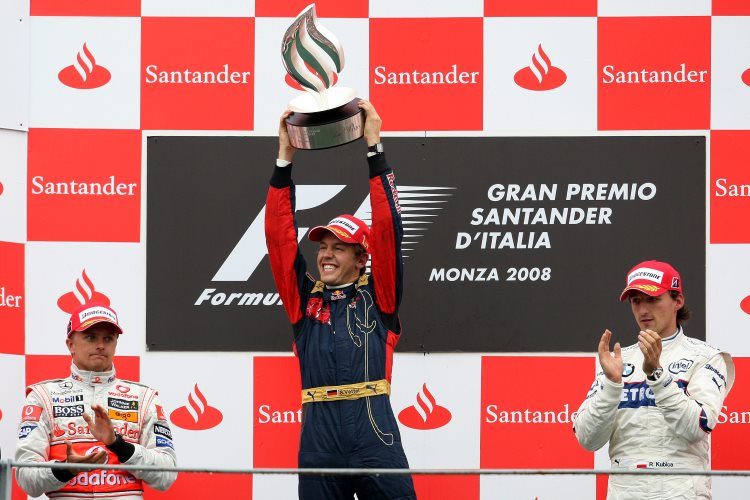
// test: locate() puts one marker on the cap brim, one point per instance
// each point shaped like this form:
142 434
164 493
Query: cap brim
88 324
651 290
318 232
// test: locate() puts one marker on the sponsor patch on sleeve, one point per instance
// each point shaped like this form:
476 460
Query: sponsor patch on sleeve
164 442
25 430
160 413
31 413
163 430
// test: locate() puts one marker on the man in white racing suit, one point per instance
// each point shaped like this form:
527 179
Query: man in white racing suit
657 401
127 427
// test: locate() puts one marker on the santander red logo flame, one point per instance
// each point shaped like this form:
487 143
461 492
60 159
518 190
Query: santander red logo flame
295 85
197 415
84 293
745 304
84 73
426 414
57 431
540 74
746 77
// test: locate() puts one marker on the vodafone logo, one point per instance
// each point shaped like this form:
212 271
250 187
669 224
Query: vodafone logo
84 293
122 389
84 73
745 304
197 415
745 80
426 414
540 74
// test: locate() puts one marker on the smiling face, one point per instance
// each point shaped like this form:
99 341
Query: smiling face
339 263
93 349
656 313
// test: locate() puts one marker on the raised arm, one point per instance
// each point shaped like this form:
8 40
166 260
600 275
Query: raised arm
287 264
387 231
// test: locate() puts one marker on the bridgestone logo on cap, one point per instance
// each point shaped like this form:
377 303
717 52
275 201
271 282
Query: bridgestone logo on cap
345 224
96 312
646 273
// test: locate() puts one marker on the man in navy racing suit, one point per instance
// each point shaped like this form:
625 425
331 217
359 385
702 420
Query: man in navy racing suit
345 329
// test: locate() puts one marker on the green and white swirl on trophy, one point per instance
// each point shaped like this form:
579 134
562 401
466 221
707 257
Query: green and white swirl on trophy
325 115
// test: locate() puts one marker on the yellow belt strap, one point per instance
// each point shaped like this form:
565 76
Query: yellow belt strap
349 391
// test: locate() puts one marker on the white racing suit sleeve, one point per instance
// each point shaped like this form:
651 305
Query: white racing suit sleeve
33 446
595 419
694 413
156 447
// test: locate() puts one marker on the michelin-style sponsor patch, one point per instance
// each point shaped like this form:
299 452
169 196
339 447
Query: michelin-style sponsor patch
31 413
164 442
67 411
680 366
25 430
163 430
121 404
628 369
128 416
78 398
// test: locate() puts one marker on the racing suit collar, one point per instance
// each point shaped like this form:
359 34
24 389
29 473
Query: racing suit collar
338 287
92 378
673 339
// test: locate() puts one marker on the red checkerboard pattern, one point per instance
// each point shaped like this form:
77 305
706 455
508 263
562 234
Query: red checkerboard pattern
197 74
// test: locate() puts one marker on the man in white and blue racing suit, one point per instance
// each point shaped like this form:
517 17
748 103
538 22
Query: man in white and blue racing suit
657 401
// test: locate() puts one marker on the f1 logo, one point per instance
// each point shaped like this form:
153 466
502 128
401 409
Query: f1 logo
251 248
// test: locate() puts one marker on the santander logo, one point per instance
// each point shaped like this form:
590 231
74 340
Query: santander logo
57 431
426 414
745 304
540 74
84 73
84 293
197 415
746 77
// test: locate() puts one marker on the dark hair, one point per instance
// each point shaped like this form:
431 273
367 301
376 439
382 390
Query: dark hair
360 250
684 313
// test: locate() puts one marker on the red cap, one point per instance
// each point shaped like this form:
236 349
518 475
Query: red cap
91 314
345 227
652 278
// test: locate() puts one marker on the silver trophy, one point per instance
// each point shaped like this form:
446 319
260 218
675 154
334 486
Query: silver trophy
324 116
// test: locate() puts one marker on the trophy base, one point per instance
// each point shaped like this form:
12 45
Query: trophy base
326 129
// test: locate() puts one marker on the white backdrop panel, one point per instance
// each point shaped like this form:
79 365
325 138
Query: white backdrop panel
117 270
13 145
225 382
568 43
